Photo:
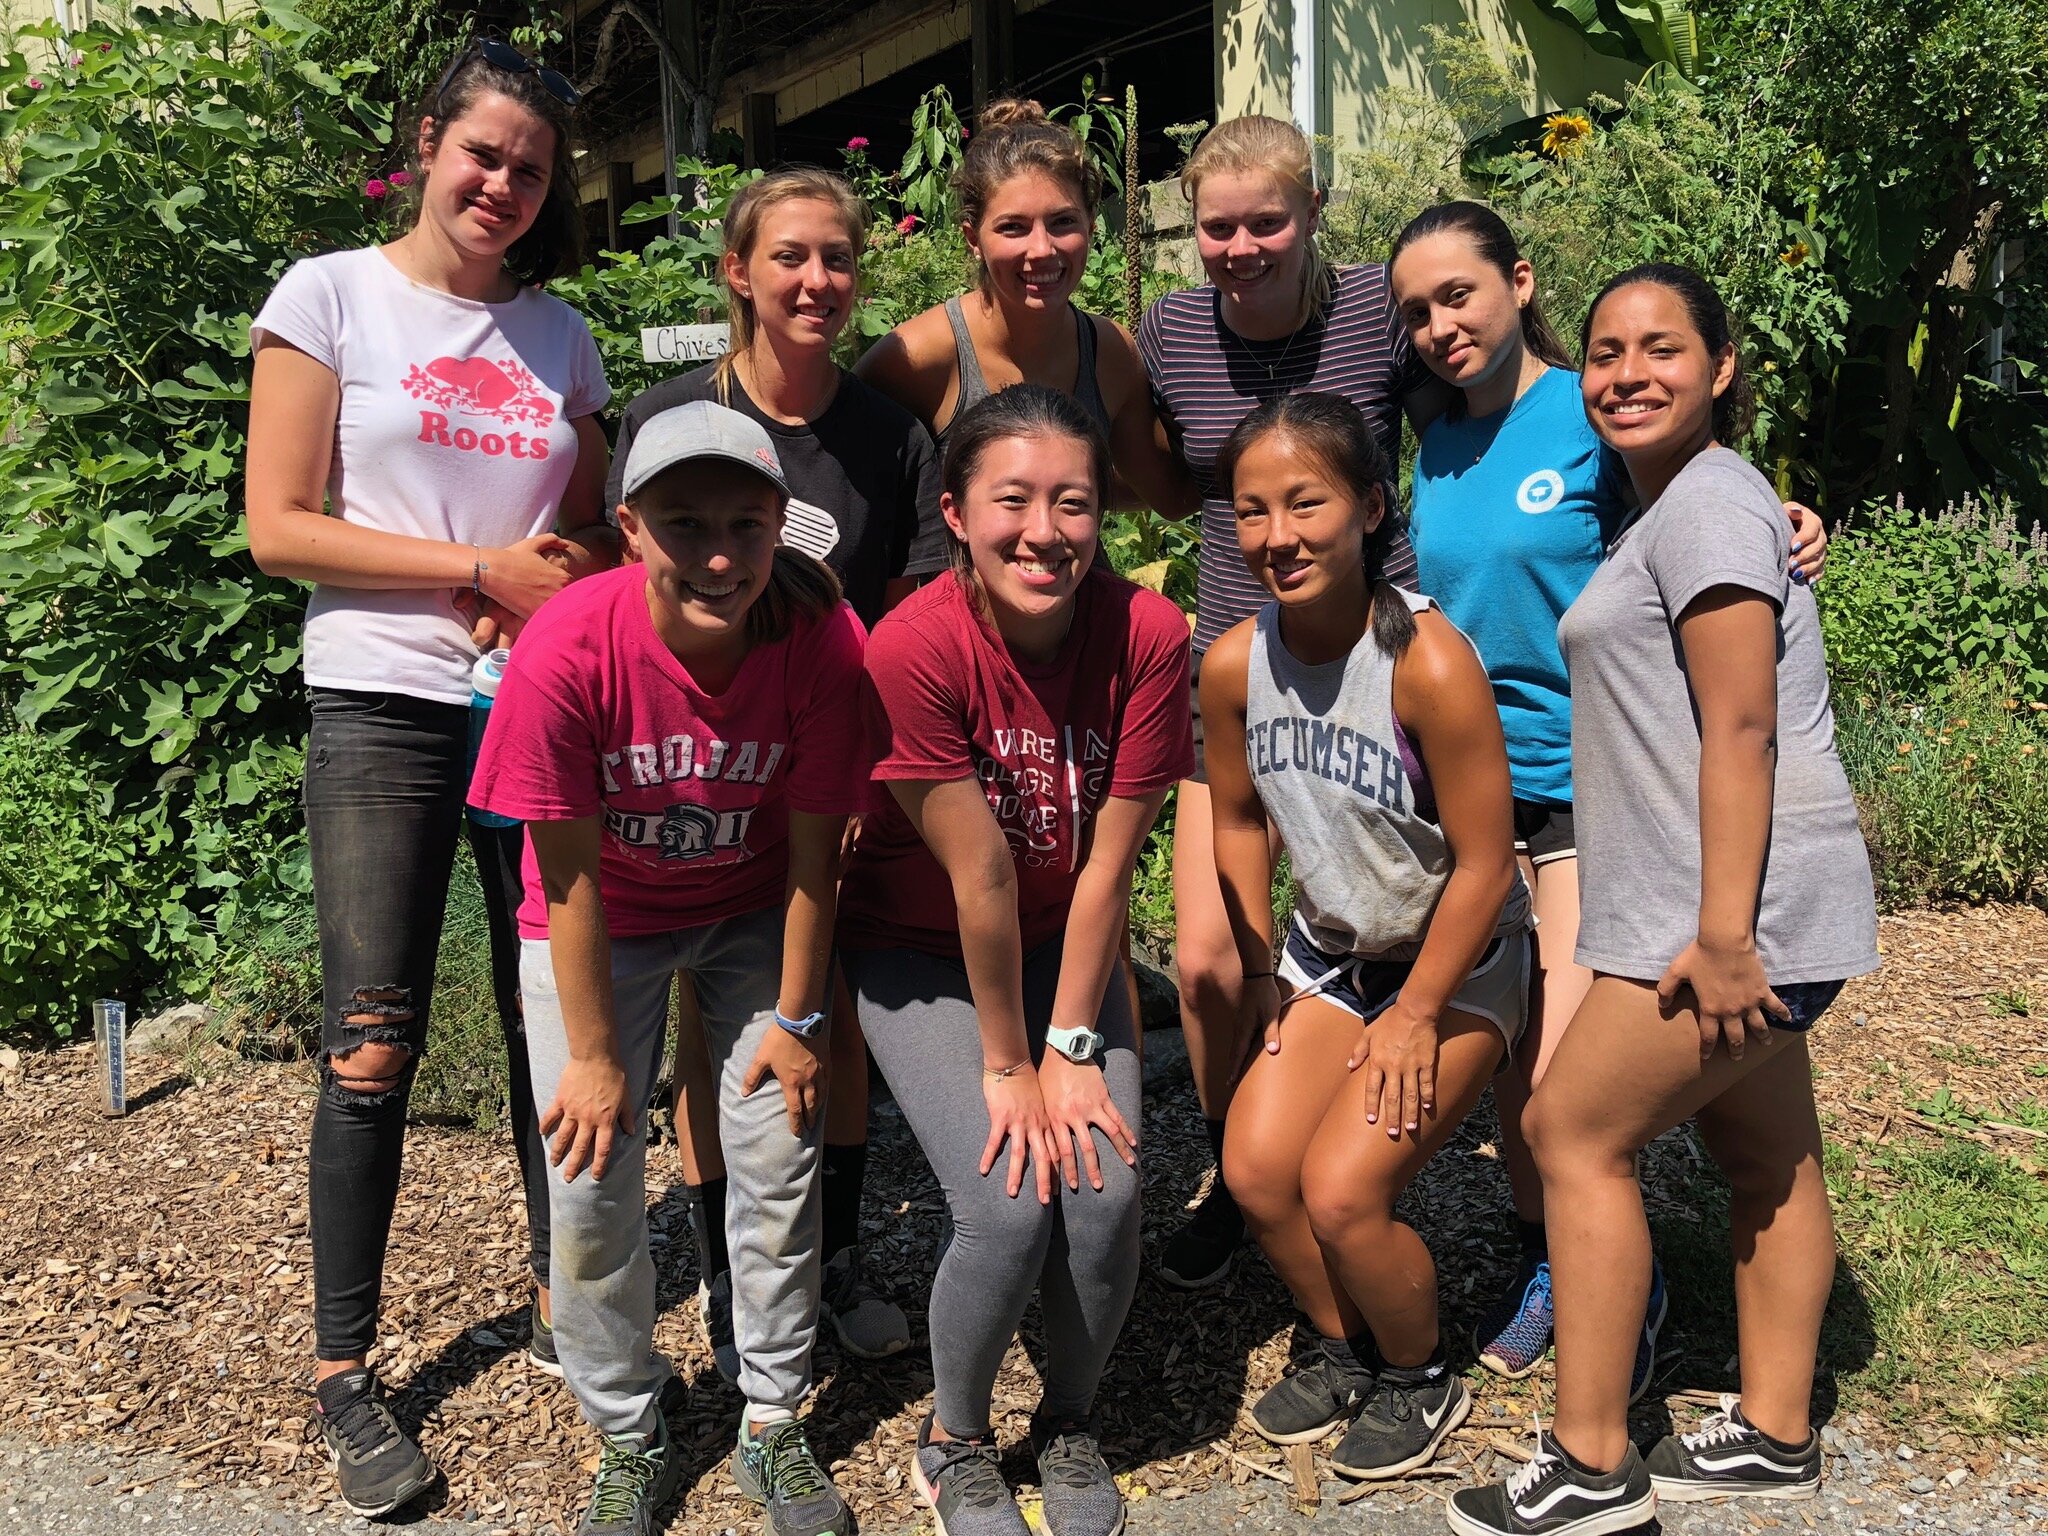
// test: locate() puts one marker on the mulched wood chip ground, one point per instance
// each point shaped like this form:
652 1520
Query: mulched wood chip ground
156 1285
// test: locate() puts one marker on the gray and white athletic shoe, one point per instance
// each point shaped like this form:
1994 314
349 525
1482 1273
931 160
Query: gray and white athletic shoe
1080 1494
1402 1425
962 1481
636 1475
868 1323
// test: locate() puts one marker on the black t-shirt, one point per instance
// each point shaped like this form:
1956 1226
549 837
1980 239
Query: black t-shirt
863 480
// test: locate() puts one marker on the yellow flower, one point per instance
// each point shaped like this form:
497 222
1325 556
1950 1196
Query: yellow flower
1565 134
2027 751
1795 254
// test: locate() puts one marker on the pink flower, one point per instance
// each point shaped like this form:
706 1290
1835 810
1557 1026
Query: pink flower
401 178
106 47
906 224
376 188
77 59
35 82
856 142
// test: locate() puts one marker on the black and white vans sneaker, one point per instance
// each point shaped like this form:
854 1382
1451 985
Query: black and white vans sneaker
1551 1497
1729 1458
1402 1424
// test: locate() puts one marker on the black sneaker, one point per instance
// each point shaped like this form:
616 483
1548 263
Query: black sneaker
777 1470
540 1347
1659 1308
634 1479
1729 1458
1199 1254
1549 1497
380 1466
1079 1493
962 1481
1401 1425
1307 1404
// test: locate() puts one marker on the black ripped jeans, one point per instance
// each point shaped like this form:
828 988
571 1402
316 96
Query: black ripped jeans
385 779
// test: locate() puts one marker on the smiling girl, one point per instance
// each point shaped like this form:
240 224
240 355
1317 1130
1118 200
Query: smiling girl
683 739
422 423
1030 711
864 498
1274 318
1352 719
1516 501
1028 195
1727 896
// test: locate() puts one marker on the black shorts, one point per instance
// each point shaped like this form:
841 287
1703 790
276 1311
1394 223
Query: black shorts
1544 832
1201 773
1808 1000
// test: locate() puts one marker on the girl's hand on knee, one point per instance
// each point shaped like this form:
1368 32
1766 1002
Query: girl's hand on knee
1735 1002
1078 1104
797 1065
1398 1051
1016 1114
589 1109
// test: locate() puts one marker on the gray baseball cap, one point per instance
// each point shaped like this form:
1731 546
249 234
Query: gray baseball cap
702 429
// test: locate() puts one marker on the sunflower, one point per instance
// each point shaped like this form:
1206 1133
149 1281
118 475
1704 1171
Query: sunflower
1565 134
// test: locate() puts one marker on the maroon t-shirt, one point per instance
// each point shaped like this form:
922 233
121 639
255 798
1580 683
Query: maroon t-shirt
944 699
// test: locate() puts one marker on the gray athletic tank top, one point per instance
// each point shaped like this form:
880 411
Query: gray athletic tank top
1087 392
1349 795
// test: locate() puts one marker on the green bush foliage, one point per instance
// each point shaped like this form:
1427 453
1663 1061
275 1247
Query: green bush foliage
150 212
1912 598
1950 785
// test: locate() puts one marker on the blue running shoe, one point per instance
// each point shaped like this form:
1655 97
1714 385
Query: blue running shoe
1513 1334
1653 1324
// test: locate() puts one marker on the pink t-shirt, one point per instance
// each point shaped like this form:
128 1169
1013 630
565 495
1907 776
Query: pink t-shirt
945 699
596 716
457 423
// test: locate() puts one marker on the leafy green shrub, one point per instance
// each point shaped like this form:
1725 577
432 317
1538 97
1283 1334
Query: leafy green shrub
70 875
1911 598
166 177
1951 790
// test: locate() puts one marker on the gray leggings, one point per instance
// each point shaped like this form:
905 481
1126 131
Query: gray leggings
1080 1253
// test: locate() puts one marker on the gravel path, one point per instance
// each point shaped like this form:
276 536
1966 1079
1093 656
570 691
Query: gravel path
96 1490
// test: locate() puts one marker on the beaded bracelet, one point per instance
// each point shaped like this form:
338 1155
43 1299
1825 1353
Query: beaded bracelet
1002 1072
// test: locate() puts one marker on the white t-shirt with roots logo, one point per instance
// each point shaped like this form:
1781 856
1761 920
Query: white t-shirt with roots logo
456 423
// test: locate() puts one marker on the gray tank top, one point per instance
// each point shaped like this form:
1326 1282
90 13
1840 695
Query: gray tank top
1087 392
1350 797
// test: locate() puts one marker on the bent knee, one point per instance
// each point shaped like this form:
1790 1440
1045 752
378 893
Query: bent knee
1338 1205
1564 1147
1259 1183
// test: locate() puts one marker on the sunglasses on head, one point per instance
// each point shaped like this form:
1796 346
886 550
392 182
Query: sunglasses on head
502 55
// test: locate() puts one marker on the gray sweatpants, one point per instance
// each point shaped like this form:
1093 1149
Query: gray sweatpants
1080 1253
602 1277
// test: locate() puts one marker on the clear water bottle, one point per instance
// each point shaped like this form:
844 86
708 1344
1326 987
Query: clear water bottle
484 678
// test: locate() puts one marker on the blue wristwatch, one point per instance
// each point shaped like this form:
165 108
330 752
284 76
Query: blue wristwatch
805 1028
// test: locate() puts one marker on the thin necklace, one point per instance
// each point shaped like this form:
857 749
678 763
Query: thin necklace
1273 368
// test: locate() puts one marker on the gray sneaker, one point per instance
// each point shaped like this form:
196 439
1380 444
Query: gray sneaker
1079 1492
868 1323
962 1481
634 1479
777 1470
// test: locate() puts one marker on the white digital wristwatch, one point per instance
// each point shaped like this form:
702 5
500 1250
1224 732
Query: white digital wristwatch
1077 1045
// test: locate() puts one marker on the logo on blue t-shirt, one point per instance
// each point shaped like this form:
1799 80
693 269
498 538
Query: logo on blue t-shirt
1541 491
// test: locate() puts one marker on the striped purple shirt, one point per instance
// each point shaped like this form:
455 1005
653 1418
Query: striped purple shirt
1206 379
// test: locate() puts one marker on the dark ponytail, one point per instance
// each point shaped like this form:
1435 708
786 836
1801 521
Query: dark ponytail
1735 408
1333 431
1495 242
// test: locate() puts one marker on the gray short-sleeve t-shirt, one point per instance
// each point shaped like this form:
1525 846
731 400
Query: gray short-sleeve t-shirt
1636 744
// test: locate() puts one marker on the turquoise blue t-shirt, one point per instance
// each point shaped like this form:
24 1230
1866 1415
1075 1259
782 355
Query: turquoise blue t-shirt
1512 513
